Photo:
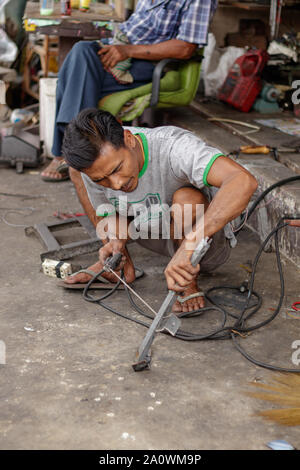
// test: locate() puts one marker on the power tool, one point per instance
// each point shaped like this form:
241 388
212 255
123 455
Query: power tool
243 82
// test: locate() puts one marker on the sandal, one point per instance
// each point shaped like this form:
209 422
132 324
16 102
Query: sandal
181 300
62 168
100 281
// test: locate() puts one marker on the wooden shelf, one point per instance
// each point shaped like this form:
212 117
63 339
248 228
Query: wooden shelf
97 12
245 6
252 6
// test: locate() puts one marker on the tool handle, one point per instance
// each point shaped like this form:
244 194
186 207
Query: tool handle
113 261
255 149
200 251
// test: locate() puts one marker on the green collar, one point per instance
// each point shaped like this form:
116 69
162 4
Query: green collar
146 153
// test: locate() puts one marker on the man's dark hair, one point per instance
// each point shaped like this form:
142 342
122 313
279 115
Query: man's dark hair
86 134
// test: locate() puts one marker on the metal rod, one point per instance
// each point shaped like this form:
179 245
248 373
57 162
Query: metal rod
131 290
144 356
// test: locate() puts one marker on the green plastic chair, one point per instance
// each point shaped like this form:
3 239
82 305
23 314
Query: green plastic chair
176 88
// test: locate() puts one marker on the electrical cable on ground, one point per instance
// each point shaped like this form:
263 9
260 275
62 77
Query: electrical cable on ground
11 210
223 331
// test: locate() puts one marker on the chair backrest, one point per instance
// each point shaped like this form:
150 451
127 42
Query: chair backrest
189 73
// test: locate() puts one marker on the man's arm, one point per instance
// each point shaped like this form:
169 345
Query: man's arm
82 195
174 49
236 188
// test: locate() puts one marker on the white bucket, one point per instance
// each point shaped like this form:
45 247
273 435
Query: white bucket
47 112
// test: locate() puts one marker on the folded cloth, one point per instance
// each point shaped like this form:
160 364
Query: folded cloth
120 70
134 107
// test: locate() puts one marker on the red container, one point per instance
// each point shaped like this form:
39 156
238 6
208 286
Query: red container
243 82
65 7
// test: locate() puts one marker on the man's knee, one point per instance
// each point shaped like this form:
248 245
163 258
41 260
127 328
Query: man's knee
188 206
78 55
188 195
84 48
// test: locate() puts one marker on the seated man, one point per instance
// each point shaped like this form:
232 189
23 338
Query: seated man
136 174
156 30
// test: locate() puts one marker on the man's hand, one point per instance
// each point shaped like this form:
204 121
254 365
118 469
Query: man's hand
180 273
118 246
111 55
110 249
173 49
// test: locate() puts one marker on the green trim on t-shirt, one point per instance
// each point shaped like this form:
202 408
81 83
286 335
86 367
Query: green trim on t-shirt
208 167
106 214
146 153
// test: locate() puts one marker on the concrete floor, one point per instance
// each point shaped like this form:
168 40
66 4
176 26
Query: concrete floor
68 382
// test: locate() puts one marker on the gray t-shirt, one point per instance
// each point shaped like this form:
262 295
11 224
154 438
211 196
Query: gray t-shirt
174 158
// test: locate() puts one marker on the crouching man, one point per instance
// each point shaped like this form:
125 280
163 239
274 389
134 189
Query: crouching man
164 188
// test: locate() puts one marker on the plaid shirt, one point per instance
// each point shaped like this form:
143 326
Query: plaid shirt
161 20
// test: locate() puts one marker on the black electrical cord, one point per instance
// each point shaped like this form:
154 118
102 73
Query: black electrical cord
278 184
239 327
99 300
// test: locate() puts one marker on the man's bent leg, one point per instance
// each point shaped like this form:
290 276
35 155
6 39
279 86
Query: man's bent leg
77 88
186 203
218 252
185 200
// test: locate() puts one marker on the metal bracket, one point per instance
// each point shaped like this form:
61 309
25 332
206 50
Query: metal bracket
171 325
163 321
44 233
144 355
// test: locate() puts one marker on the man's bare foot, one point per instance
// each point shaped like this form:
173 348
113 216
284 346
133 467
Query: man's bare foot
83 278
193 304
50 173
